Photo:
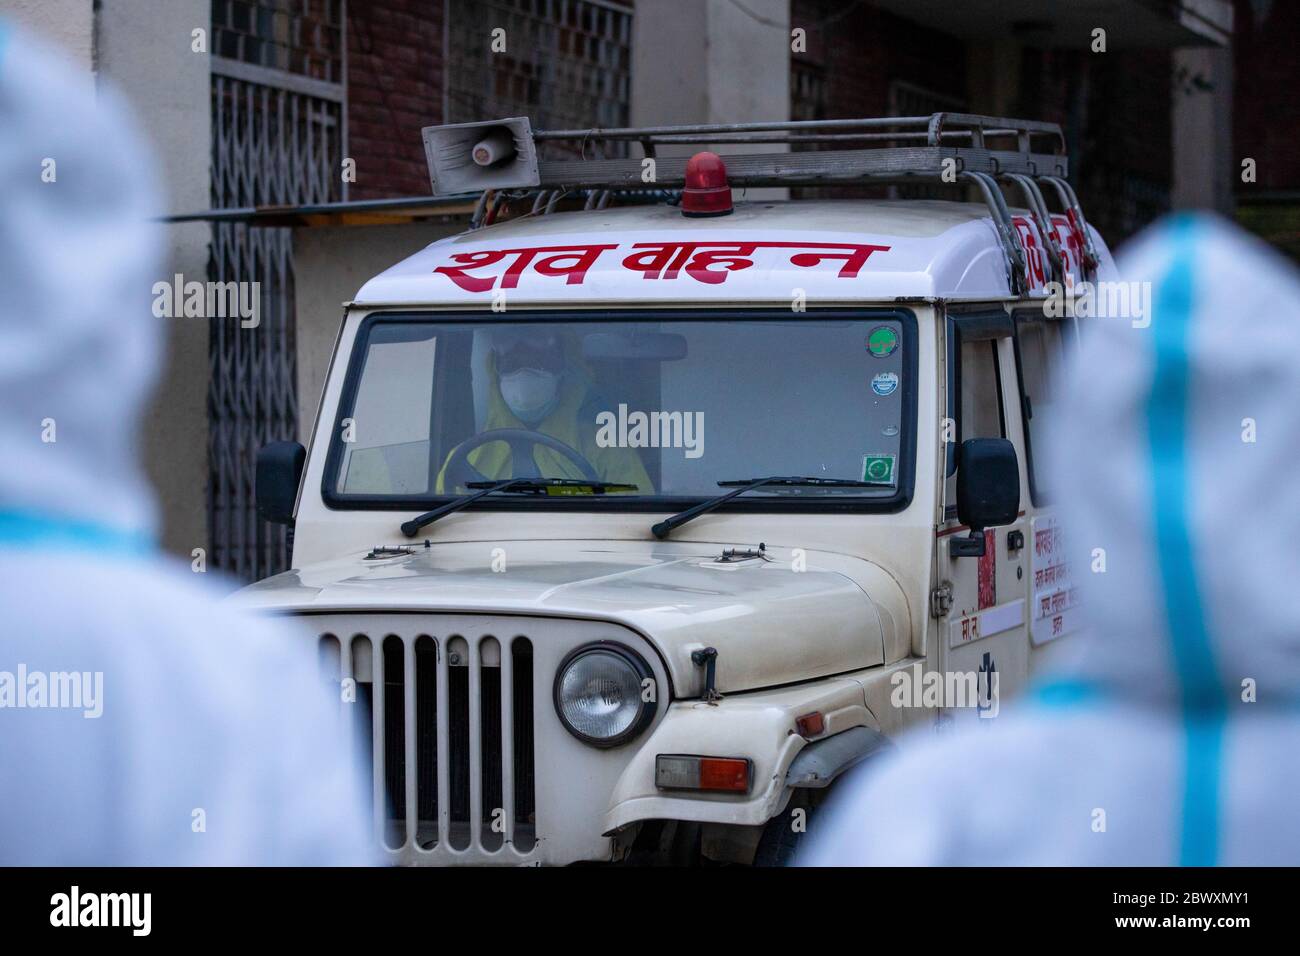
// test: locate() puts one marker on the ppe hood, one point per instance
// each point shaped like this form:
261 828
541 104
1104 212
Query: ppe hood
78 338
1175 470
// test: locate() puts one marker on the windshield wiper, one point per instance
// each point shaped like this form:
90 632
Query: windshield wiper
529 485
665 527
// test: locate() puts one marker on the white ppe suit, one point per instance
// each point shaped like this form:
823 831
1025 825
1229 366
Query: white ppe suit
1172 736
141 721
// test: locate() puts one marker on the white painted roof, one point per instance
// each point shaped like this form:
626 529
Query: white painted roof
831 251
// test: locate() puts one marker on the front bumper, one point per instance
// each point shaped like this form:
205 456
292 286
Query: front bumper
759 725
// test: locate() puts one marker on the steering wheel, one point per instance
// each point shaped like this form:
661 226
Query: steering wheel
521 442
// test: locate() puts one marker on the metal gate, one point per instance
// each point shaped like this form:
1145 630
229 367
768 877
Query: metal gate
278 109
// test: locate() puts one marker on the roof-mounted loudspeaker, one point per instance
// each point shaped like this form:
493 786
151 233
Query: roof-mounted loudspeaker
470 157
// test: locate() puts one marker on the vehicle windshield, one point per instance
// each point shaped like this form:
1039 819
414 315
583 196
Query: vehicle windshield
670 405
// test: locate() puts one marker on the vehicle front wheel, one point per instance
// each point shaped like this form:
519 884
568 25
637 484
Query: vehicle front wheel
783 835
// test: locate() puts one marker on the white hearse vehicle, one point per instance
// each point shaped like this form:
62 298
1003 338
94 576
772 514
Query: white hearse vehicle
626 530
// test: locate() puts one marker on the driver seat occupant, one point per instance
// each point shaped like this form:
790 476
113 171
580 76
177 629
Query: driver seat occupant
538 382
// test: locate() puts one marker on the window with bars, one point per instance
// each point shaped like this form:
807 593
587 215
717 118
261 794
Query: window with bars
302 37
277 138
807 90
566 63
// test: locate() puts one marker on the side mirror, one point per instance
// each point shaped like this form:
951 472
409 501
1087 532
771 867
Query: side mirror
279 469
988 490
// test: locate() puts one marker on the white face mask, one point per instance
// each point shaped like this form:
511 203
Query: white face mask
530 393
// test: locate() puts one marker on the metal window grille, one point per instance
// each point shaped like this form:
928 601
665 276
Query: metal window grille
302 37
807 90
566 63
277 119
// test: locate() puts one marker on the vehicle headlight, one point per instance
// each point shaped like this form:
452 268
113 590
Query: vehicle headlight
598 694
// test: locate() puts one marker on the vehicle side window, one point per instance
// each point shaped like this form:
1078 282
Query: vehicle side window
1040 347
385 453
981 400
975 401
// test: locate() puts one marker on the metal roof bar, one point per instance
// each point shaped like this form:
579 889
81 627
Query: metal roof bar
1037 207
1017 267
277 214
867 149
640 132
778 137
935 127
1075 214
809 168
944 147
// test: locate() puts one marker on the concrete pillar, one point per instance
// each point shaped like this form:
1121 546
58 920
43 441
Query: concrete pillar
144 50
68 24
711 61
1205 168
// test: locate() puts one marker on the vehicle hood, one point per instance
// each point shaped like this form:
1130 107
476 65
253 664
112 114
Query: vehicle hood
771 624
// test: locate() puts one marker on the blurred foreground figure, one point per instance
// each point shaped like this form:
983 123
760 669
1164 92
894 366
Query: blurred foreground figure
1173 735
140 721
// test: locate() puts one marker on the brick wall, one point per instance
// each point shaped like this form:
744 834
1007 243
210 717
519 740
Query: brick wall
858 50
1266 115
395 80
1114 107
1125 151
1266 109
855 55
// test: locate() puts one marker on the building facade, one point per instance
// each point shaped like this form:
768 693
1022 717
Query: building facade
290 140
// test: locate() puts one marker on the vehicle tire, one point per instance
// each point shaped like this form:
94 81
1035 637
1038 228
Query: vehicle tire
780 840
666 843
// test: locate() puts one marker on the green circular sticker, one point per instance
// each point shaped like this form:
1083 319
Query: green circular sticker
882 341
878 468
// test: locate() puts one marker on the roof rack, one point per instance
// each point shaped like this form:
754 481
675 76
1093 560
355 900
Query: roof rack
944 148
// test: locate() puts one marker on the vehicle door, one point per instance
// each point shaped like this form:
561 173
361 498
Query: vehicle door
1041 344
983 636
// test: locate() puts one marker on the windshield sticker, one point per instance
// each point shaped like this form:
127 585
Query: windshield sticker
882 341
885 383
708 262
878 468
570 490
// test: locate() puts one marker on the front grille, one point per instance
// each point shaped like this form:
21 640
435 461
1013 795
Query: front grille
447 729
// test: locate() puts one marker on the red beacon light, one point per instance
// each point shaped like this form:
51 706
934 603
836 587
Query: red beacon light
707 192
